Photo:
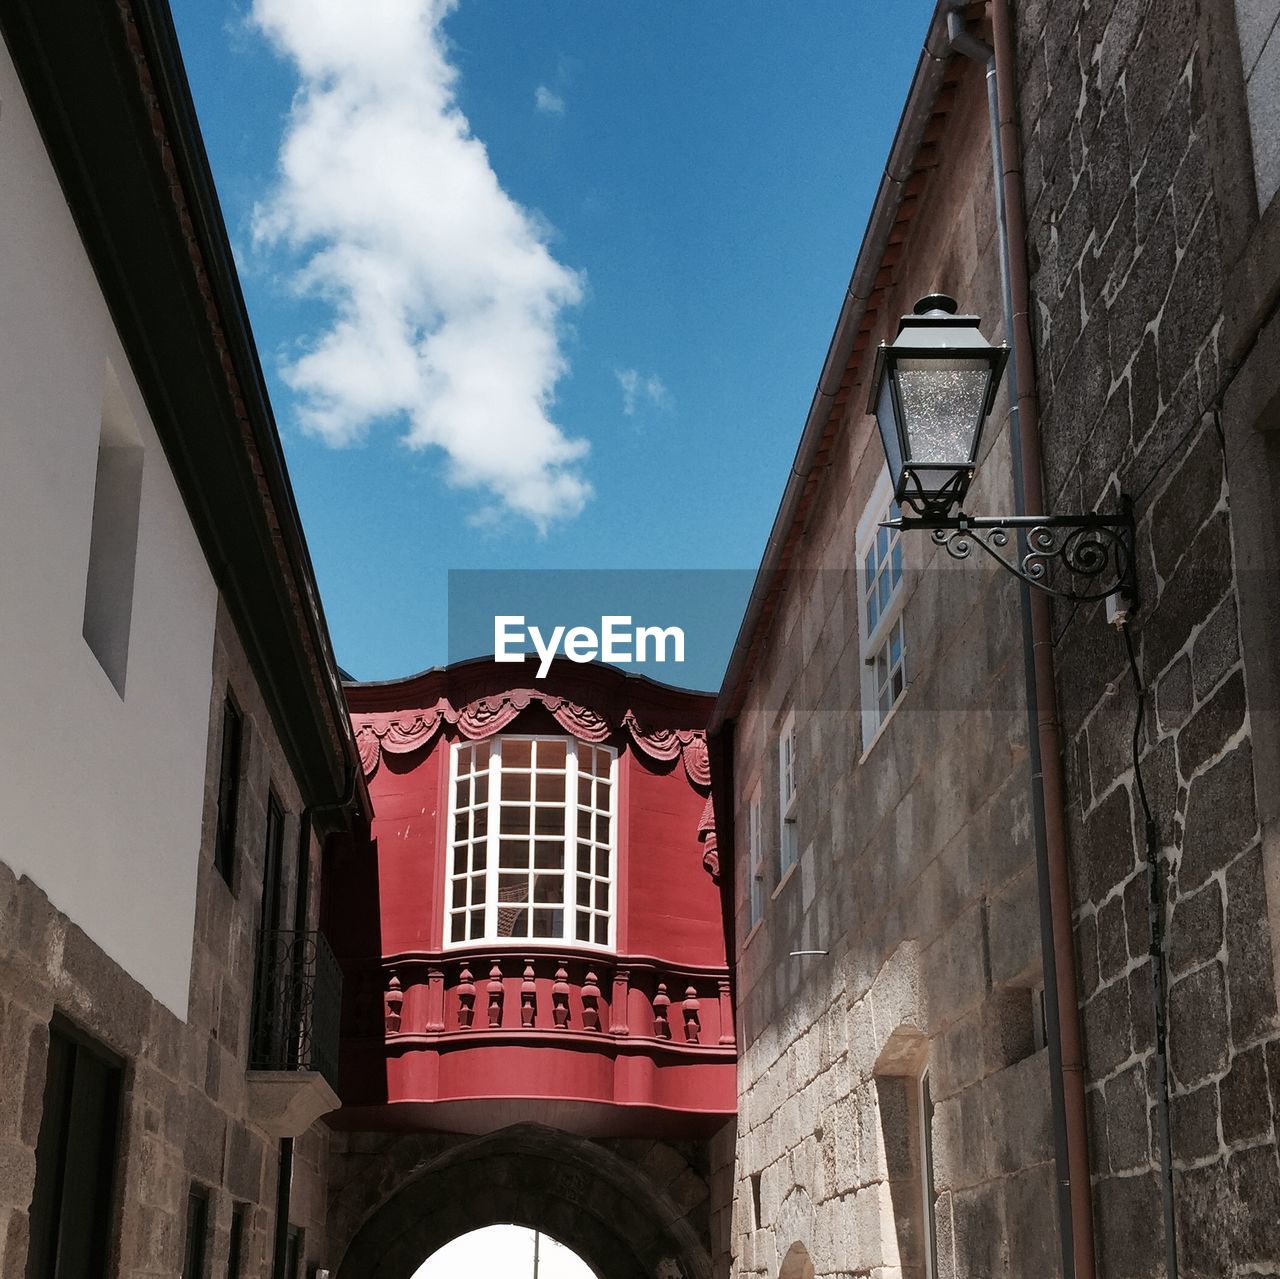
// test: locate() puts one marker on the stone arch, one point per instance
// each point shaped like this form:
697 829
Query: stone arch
797 1264
794 1221
905 1052
607 1209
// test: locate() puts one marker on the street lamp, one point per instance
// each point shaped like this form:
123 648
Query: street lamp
932 391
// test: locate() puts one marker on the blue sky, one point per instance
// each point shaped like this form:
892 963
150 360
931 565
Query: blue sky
589 342
505 1251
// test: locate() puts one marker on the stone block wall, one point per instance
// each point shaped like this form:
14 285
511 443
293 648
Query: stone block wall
185 1114
916 875
1142 208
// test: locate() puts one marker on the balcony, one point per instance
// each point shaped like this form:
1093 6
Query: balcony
293 1047
604 1044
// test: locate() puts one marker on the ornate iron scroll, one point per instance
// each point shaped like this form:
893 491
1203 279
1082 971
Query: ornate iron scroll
1081 558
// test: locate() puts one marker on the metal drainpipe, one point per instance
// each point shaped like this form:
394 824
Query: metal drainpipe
284 1183
1062 1024
1050 783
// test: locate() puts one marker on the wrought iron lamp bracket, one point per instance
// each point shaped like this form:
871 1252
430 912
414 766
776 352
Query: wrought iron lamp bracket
1095 553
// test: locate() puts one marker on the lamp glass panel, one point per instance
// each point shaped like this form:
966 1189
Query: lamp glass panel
942 402
888 422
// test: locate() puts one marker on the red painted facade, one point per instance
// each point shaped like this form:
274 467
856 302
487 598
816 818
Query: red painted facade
633 1039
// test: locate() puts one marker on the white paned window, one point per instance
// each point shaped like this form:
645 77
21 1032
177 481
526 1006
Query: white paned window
755 856
881 597
788 795
533 834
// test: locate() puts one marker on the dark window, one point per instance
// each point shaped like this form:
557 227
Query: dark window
70 1219
293 1252
235 1244
228 791
197 1233
272 866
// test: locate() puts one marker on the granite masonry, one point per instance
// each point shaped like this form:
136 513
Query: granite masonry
902 948
1144 222
187 1116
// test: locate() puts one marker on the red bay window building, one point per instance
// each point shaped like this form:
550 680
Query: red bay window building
534 930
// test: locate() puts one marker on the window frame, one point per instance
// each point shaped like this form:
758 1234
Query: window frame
79 1174
226 817
788 796
875 634
295 1251
237 1233
493 836
195 1241
755 858
928 1196
271 907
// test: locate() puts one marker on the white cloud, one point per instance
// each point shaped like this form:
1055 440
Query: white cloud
547 101
445 300
638 388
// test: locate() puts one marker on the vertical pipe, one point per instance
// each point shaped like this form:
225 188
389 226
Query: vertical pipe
978 51
302 891
1159 986
1049 786
284 1183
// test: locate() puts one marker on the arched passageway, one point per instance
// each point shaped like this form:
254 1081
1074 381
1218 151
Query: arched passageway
513 1251
603 1207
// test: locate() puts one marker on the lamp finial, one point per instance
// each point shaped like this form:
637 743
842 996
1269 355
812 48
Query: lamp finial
934 302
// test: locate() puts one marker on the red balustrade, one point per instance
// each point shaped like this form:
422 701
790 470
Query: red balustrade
547 992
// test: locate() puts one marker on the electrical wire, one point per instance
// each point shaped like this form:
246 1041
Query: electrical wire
1139 722
1155 914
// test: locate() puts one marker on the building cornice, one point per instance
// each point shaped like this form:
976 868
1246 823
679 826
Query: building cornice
475 699
405 731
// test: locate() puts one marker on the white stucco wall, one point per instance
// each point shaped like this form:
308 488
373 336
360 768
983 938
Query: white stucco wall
100 796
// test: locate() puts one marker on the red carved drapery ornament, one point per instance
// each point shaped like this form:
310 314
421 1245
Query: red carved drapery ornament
707 838
404 731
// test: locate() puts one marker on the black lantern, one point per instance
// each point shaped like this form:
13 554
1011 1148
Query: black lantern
932 390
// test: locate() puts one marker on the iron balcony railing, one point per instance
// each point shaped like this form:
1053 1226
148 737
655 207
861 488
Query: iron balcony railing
297 1004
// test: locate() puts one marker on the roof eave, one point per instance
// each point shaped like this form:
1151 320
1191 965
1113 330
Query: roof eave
110 96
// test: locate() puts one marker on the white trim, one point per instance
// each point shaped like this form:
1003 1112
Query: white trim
876 634
755 859
787 876
788 795
493 870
